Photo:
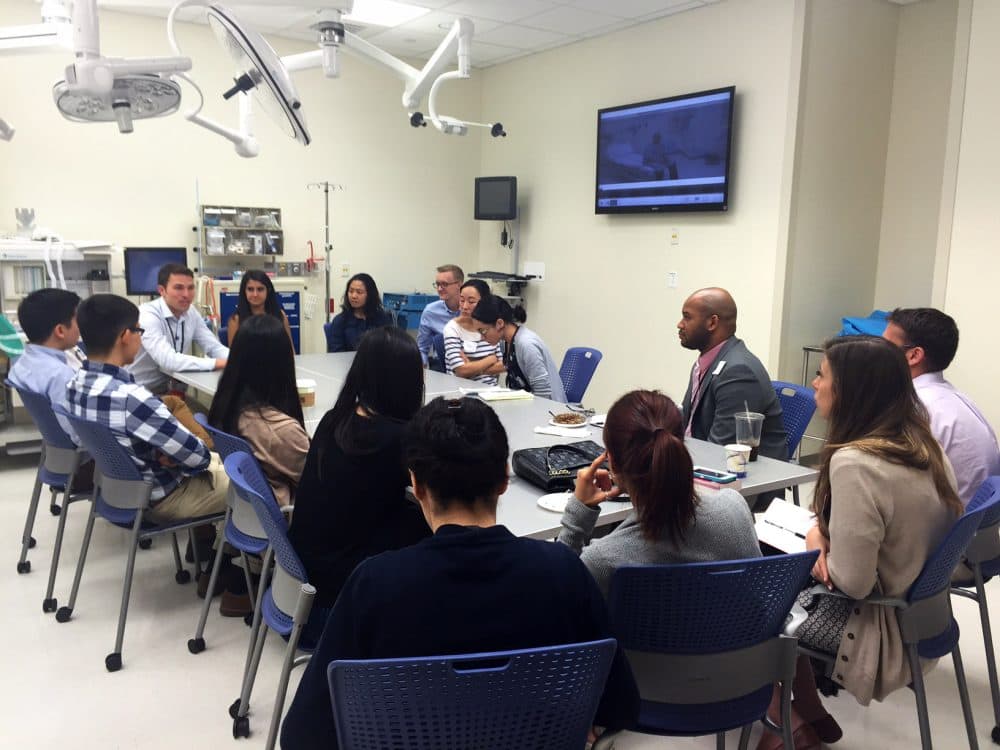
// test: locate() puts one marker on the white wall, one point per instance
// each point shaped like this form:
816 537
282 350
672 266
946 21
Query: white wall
406 204
972 276
606 276
841 142
918 129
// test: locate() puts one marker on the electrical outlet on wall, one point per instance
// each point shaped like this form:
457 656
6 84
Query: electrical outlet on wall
345 270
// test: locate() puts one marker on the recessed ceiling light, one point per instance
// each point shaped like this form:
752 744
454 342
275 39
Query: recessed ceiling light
383 12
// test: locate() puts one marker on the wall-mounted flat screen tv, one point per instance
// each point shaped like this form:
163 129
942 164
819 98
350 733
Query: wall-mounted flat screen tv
142 266
665 155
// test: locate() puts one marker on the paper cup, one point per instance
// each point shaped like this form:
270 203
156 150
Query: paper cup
307 391
737 457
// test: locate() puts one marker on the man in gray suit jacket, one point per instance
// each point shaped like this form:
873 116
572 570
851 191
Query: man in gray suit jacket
727 378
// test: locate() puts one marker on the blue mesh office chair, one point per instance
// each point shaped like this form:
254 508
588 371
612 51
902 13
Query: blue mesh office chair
437 342
708 641
983 558
797 408
121 497
327 332
242 530
286 603
537 698
576 371
57 468
925 620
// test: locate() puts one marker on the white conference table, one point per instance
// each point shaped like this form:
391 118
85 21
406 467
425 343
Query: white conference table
518 509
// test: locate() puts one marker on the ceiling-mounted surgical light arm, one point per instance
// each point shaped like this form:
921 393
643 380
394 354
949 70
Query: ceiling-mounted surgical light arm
54 33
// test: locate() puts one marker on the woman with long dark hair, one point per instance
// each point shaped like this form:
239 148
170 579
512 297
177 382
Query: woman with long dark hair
466 353
360 311
669 522
352 501
257 297
884 499
529 363
261 403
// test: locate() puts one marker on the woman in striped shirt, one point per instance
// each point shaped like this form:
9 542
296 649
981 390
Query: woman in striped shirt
466 353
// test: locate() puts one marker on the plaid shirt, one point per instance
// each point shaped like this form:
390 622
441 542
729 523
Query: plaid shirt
142 423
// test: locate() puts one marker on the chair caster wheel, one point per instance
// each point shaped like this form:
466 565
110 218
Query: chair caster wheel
63 614
49 605
145 543
183 576
196 645
234 709
113 662
24 567
55 510
995 734
241 727
31 542
248 620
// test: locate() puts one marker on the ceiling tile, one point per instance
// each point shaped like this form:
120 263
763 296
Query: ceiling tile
433 22
407 40
689 5
630 8
569 20
485 53
522 37
501 10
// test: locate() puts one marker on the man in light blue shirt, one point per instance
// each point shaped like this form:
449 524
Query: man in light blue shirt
48 319
437 314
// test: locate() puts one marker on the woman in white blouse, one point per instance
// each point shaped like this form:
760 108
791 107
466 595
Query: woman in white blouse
466 353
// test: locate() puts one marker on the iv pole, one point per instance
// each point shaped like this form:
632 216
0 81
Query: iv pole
327 247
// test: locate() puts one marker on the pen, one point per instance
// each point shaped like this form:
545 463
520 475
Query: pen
772 523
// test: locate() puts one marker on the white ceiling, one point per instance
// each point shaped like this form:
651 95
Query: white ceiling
505 29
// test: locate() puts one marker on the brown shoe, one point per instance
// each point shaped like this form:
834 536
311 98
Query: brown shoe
804 738
203 579
235 605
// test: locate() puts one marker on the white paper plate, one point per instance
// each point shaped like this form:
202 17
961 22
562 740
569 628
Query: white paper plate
598 420
554 423
555 501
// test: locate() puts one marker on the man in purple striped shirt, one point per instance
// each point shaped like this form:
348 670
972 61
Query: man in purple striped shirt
929 339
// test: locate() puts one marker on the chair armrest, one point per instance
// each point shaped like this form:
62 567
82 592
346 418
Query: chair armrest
879 599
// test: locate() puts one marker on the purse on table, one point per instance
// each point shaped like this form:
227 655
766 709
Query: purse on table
554 469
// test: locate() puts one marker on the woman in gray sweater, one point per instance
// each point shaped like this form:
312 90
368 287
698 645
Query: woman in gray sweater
669 522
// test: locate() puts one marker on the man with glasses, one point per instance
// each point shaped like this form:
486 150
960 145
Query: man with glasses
171 326
187 481
436 315
929 340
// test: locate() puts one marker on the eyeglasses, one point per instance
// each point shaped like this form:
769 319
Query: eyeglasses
136 329
444 284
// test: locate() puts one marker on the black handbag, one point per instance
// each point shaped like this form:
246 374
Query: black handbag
554 469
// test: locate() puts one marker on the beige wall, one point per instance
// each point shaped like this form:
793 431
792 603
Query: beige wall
406 204
918 130
606 276
841 142
972 275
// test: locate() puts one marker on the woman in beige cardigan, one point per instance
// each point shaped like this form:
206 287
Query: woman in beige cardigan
885 498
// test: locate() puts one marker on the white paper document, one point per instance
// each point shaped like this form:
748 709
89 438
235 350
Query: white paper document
784 526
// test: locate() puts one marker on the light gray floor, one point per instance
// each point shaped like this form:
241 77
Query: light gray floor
55 691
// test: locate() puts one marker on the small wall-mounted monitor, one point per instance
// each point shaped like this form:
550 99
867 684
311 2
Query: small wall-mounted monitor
142 264
666 155
496 198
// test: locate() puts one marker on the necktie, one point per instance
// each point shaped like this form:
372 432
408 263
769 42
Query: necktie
695 395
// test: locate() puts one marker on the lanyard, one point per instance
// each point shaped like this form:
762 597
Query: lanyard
173 335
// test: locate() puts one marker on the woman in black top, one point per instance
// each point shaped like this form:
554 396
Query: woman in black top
351 502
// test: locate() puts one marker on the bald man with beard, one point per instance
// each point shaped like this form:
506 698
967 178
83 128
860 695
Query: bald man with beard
727 378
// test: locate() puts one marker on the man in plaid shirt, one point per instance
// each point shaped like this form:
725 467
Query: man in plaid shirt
187 480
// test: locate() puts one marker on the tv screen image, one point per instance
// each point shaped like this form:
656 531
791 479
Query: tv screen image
666 155
142 264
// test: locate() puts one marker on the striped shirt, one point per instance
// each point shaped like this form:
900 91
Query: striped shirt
141 423
457 340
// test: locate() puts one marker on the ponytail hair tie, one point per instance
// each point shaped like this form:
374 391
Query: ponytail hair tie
658 430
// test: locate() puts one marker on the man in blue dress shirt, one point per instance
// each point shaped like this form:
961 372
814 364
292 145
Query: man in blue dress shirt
437 314
48 319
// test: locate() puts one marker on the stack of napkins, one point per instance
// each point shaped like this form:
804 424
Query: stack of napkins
497 394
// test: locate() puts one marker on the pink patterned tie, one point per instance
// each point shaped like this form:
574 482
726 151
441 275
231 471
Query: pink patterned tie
695 395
